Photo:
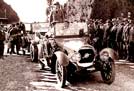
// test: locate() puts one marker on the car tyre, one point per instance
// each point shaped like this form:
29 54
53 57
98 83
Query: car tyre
34 54
108 71
61 74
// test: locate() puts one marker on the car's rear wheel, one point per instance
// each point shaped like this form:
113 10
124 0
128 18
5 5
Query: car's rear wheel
61 74
34 54
108 71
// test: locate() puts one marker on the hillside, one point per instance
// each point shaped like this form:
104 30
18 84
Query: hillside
10 13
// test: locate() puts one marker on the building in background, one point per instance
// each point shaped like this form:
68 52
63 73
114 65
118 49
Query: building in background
3 20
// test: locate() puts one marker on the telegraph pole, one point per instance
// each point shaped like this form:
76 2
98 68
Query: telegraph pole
5 11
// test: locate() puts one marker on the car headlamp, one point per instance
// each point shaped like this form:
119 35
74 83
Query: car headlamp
104 56
86 55
76 57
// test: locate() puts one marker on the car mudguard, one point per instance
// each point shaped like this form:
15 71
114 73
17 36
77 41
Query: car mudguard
40 51
113 54
34 52
31 47
62 58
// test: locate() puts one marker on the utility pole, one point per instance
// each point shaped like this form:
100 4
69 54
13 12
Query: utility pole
5 11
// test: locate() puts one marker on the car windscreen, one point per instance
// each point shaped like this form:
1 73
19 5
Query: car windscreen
72 29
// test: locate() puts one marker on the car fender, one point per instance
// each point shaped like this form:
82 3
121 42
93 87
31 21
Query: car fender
113 54
62 58
31 47
40 51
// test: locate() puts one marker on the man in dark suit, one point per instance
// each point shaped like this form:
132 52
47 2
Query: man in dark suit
15 38
119 39
97 36
131 44
125 36
107 27
112 35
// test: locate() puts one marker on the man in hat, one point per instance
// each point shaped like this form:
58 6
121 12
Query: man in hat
56 14
107 27
112 35
125 36
119 39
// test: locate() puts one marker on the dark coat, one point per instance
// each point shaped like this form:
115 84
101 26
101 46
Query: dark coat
107 29
131 34
57 16
112 34
119 33
2 37
126 30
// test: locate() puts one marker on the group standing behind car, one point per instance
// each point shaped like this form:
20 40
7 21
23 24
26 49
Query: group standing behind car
116 33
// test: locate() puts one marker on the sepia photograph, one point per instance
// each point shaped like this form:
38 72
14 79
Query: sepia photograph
66 45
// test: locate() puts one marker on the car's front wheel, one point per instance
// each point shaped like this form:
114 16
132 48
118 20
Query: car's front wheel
61 74
108 71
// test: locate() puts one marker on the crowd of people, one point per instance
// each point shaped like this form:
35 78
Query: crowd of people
12 35
116 33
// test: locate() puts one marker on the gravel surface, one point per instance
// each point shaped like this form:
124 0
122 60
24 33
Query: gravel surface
18 73
15 73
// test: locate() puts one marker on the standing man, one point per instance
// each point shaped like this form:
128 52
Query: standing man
97 36
56 14
119 39
126 30
2 39
22 28
112 35
107 27
14 36
131 44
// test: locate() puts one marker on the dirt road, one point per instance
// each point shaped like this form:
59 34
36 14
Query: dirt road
18 73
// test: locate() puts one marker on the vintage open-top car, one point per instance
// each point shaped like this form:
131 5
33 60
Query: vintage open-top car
79 55
85 58
70 52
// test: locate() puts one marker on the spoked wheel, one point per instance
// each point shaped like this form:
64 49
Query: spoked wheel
108 71
34 54
61 74
31 55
